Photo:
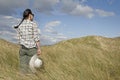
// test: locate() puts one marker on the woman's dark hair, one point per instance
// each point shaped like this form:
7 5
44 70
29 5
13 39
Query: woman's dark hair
25 15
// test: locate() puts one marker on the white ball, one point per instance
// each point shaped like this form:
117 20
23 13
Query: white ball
38 63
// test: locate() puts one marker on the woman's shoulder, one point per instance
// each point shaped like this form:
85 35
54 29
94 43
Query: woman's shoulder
33 22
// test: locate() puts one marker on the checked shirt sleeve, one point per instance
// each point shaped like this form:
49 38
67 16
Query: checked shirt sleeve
36 32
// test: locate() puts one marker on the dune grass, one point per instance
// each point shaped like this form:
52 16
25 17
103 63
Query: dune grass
87 58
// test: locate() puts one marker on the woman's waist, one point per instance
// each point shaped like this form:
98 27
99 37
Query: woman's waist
26 47
23 46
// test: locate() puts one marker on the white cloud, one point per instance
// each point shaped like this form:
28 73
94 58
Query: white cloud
50 35
8 20
49 40
104 13
46 40
1 33
53 24
83 1
49 27
70 7
7 33
45 6
110 1
73 8
8 17
6 27
81 10
7 7
61 37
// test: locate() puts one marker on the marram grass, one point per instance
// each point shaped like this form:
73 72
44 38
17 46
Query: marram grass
87 58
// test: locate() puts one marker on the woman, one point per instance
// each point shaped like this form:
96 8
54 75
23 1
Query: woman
28 39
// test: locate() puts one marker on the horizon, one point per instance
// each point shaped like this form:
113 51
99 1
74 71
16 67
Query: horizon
64 40
62 19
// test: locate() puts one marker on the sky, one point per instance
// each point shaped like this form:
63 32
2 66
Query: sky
62 19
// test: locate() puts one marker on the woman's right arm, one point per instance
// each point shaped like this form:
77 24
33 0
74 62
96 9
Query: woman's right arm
37 38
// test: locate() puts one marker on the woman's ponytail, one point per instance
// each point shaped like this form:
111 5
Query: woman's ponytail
25 15
19 24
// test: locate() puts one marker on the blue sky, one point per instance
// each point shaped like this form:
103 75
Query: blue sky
63 19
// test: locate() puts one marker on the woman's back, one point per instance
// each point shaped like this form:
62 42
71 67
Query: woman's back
27 32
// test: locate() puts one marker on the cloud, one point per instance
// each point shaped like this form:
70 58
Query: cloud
49 40
80 1
104 13
110 1
53 24
10 36
83 1
8 20
69 7
49 27
1 33
7 7
83 11
45 6
60 37
6 27
73 8
50 35
7 33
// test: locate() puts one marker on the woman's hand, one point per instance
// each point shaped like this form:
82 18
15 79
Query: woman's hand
38 52
38 48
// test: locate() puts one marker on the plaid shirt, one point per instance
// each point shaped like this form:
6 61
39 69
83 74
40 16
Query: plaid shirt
28 34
